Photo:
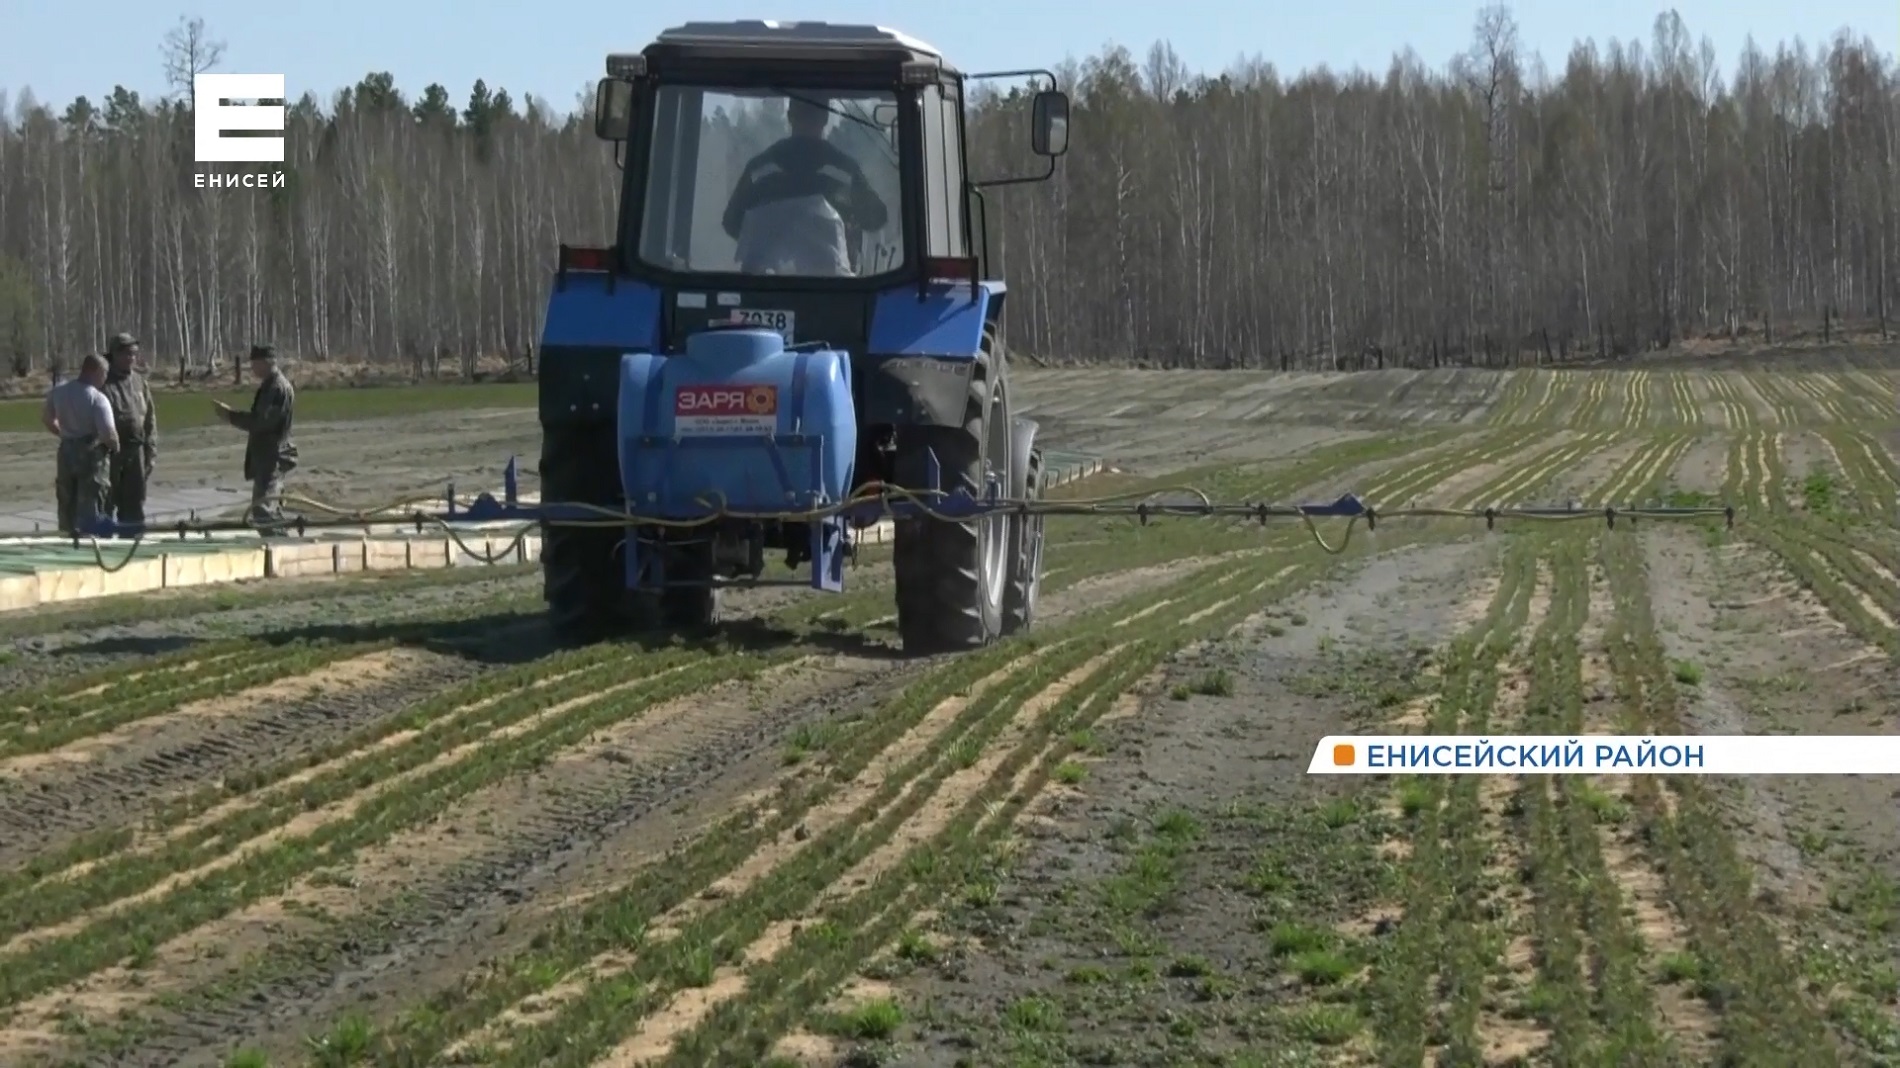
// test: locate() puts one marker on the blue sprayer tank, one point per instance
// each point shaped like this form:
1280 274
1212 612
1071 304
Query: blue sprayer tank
735 419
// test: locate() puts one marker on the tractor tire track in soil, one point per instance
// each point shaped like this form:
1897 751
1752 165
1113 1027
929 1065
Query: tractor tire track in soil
93 785
102 781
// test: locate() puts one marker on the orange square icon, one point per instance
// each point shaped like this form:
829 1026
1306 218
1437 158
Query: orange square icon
1343 756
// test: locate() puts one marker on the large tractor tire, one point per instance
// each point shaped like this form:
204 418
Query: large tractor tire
582 570
951 576
1025 556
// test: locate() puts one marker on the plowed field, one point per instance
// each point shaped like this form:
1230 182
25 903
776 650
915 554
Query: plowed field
385 821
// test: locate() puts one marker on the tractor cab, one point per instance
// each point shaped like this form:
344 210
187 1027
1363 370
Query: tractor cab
783 174
797 309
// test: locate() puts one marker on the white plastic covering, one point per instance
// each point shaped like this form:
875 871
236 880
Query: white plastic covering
798 236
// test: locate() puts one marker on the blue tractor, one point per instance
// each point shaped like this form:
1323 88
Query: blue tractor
793 335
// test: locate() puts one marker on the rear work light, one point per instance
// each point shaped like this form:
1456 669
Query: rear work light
585 259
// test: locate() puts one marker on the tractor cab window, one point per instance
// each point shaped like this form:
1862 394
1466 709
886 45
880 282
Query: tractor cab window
801 182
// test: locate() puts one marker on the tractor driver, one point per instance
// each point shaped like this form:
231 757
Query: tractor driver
802 165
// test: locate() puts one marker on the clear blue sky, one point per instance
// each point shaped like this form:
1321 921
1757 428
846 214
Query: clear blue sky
63 48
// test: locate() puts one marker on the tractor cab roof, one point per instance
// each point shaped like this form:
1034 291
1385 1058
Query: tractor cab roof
813 42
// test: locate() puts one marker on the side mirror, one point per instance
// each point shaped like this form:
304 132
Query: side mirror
1049 123
613 109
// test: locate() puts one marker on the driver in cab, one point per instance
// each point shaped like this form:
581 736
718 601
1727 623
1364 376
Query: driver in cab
805 164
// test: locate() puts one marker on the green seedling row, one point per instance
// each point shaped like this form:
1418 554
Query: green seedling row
137 701
271 870
1400 985
206 670
128 877
1618 1023
1860 475
52 698
128 609
1837 578
1402 487
1684 409
823 954
1746 975
436 717
433 717
662 887
1788 402
445 1011
444 723
1346 458
1819 554
585 1028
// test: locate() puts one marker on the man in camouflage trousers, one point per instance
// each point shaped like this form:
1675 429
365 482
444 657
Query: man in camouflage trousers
79 415
137 420
269 453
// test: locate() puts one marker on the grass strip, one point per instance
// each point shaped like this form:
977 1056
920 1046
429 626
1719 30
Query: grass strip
444 723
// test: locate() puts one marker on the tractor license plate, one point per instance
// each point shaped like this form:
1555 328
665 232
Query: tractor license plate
783 322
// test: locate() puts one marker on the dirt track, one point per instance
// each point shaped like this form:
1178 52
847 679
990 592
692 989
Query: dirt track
385 819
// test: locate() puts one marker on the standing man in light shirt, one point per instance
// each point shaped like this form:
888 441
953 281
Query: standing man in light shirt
79 415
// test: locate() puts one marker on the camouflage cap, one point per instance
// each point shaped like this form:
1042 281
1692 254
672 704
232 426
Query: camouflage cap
121 342
264 352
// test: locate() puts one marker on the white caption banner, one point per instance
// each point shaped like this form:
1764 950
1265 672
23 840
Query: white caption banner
1604 754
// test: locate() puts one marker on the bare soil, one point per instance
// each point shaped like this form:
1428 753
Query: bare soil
1769 667
1191 977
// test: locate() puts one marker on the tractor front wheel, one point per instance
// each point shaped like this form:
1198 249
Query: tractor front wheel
1025 556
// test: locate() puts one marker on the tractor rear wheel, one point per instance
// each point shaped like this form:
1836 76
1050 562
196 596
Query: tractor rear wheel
582 570
951 576
1025 557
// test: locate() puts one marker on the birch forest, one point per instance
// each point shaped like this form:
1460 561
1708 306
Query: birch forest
1500 210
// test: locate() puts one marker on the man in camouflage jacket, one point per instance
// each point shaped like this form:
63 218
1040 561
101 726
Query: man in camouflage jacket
269 453
137 420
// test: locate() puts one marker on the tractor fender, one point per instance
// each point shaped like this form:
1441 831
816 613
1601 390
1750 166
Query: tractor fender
1022 440
921 390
